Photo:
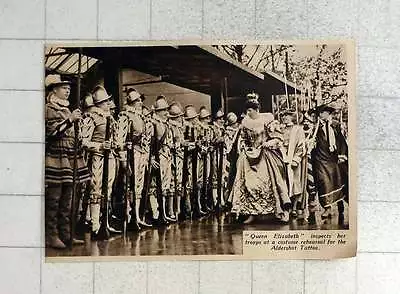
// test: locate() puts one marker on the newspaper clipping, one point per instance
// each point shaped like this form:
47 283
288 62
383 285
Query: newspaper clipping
200 150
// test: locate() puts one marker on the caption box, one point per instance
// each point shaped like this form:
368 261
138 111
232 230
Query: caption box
296 244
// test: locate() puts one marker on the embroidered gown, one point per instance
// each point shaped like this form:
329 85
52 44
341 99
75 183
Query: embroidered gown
259 187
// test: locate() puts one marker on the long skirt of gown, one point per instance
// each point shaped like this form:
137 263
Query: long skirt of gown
259 187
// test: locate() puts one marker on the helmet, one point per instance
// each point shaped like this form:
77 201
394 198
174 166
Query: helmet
219 114
231 118
100 95
133 96
161 103
204 113
175 110
190 112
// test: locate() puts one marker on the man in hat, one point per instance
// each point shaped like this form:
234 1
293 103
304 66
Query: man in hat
294 152
162 159
60 162
330 151
175 118
94 141
132 117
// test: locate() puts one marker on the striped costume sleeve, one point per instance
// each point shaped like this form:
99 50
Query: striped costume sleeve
57 122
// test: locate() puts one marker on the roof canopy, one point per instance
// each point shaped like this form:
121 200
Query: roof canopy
58 60
194 67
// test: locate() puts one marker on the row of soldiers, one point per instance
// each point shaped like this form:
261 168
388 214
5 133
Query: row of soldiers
144 167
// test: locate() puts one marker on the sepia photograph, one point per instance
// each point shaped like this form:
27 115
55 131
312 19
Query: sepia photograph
186 150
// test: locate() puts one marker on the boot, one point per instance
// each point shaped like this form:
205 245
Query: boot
341 219
96 234
249 220
294 207
170 207
164 209
95 215
161 219
111 228
311 218
141 223
340 206
341 212
74 242
327 213
178 207
285 217
201 210
215 197
55 242
222 200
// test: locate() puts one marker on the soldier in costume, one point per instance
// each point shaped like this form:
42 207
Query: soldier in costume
133 117
175 118
218 141
93 140
231 130
163 142
59 162
83 224
231 141
191 128
204 143
146 144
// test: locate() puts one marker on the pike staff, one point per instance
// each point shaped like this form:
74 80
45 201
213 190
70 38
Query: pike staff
76 147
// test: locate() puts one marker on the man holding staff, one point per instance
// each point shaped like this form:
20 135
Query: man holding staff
59 162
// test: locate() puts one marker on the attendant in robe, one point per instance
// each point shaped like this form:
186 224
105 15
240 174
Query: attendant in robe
294 140
329 159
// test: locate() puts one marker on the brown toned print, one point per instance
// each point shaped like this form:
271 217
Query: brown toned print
211 150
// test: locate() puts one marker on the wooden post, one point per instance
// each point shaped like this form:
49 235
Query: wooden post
217 94
113 82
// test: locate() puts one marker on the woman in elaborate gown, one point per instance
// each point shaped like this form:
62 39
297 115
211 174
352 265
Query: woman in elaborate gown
260 187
